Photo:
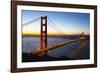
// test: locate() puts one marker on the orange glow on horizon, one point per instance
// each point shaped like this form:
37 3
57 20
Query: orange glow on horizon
31 33
53 33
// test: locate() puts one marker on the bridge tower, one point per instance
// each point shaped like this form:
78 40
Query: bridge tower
82 35
43 33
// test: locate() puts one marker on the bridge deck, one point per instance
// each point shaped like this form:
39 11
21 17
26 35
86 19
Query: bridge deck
58 45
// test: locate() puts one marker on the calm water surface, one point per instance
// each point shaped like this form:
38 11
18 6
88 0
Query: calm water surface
30 44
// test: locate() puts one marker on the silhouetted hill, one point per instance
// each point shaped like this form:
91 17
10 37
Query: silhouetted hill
29 57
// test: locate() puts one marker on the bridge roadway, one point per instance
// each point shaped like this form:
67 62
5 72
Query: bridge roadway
58 45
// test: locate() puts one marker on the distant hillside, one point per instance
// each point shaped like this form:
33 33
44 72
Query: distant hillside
59 36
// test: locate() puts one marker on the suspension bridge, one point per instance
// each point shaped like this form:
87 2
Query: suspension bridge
44 48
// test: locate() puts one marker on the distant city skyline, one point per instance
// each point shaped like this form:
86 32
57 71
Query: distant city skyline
68 22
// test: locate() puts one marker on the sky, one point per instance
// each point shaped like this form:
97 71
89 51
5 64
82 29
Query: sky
67 22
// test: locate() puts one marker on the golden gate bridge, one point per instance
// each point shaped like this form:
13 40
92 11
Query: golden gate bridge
44 48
